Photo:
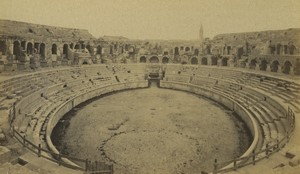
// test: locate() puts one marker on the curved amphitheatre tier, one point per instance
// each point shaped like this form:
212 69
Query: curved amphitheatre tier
42 98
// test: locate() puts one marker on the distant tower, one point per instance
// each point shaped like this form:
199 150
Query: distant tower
201 39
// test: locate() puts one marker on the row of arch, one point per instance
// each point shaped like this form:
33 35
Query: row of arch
274 66
186 49
40 48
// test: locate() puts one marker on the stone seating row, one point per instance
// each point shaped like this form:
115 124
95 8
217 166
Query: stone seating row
272 123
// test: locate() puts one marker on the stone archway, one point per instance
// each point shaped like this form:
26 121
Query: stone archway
225 61
54 49
65 50
29 48
99 50
194 61
274 66
214 60
263 65
286 67
77 46
42 50
204 61
252 64
297 67
143 59
196 52
187 49
176 51
165 60
16 49
154 59
90 49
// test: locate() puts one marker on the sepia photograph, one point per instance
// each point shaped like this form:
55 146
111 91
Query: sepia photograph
149 86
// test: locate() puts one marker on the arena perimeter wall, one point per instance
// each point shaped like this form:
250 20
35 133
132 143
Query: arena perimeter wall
231 104
73 102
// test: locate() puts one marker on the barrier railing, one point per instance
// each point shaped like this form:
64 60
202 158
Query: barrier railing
85 165
262 154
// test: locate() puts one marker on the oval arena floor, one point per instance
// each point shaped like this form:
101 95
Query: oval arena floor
154 130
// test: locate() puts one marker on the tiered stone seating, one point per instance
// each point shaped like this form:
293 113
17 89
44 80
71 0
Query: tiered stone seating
272 120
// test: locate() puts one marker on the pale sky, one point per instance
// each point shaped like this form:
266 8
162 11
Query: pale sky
157 19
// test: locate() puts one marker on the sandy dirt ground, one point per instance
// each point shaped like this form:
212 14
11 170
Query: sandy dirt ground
153 130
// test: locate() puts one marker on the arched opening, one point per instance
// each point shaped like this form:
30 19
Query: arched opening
240 52
187 49
154 59
194 61
228 50
143 59
286 67
71 45
77 47
2 47
208 49
292 49
42 50
204 61
278 49
36 47
274 66
176 51
111 50
214 60
23 45
83 46
16 49
29 48
65 50
54 49
89 48
252 64
263 65
99 50
165 60
297 67
224 61
196 52
85 62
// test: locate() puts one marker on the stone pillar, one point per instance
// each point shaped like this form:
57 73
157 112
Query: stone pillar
268 68
292 72
257 67
279 69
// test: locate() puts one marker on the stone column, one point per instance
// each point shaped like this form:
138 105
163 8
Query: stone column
257 67
268 68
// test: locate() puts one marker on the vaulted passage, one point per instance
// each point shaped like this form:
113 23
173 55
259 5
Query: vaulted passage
2 47
286 67
42 50
263 65
54 49
252 64
194 61
274 66
204 61
29 48
143 59
214 60
16 49
224 61
154 59
165 60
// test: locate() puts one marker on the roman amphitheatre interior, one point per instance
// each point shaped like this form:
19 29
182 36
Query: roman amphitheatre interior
71 102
